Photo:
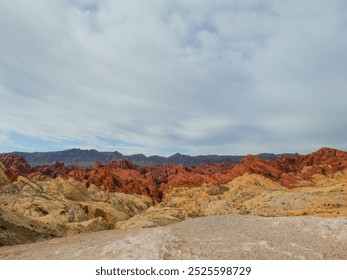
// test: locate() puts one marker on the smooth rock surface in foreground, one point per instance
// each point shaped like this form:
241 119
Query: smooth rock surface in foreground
214 237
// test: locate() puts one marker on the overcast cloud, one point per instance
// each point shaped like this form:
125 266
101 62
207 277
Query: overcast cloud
159 77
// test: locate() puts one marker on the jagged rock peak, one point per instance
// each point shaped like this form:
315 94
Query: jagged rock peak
16 163
250 159
97 165
325 152
123 163
58 164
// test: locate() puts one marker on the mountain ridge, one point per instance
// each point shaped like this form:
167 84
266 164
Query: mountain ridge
82 157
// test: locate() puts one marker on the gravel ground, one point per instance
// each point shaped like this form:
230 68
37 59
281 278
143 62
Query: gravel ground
215 237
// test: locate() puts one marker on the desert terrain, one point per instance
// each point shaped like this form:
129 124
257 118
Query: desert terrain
292 207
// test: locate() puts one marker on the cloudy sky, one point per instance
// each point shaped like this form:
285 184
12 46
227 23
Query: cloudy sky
160 77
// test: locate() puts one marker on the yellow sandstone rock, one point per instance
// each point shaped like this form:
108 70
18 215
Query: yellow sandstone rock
43 208
3 177
249 194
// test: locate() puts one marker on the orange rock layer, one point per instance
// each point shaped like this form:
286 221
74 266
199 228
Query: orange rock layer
124 176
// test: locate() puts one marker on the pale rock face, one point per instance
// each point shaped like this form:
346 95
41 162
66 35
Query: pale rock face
249 194
3 177
71 189
44 208
254 182
229 237
91 225
153 217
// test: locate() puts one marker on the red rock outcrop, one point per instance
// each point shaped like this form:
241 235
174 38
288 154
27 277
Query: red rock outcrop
172 176
114 176
122 164
116 179
15 166
295 171
100 176
56 169
289 171
125 176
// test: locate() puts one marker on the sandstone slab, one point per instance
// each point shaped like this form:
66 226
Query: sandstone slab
215 237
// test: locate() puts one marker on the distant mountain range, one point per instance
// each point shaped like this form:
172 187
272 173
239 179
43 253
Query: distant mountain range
89 157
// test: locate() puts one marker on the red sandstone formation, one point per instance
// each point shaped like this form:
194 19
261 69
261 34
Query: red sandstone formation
122 164
289 171
56 169
124 176
295 171
16 165
99 176
171 176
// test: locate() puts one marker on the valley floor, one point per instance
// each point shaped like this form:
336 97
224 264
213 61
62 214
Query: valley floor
214 237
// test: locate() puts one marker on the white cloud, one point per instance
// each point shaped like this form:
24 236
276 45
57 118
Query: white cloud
199 76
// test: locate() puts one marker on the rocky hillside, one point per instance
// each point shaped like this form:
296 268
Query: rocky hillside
249 194
42 208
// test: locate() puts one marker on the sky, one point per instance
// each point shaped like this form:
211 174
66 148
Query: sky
157 77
